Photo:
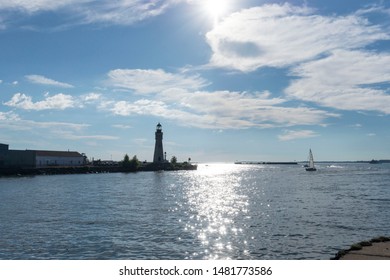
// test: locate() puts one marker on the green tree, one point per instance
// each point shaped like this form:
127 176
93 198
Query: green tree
134 162
174 160
126 161
130 163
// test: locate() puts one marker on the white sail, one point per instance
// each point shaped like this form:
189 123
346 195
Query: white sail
311 162
311 159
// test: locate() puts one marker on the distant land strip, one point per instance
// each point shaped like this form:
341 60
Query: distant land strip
299 162
266 162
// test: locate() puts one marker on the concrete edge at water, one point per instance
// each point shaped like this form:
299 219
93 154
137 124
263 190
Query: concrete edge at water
375 249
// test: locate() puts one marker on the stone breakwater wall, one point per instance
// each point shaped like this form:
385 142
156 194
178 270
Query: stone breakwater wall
92 169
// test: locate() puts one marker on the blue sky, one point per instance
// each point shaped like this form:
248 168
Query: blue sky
228 80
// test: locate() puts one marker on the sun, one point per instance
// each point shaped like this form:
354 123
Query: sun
215 8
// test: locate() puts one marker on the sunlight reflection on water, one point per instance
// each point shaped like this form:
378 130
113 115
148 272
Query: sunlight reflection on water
215 199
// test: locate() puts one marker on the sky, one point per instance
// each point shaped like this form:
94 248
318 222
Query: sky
228 80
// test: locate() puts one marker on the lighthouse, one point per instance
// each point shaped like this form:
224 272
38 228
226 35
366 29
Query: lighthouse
158 147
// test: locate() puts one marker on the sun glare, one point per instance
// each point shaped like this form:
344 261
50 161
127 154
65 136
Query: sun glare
215 8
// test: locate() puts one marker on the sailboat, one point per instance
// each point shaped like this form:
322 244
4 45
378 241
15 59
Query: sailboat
311 166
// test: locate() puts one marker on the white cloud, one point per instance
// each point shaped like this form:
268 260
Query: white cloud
56 102
334 70
70 135
177 97
356 125
153 81
123 12
282 35
220 116
348 80
38 79
140 107
121 126
32 6
92 96
8 116
248 109
63 130
289 135
180 115
59 101
13 121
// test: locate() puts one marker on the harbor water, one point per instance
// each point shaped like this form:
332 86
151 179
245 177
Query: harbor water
220 211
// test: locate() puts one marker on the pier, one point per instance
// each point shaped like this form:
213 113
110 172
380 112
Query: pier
266 162
57 170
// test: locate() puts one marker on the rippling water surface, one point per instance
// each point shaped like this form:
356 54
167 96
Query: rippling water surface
220 211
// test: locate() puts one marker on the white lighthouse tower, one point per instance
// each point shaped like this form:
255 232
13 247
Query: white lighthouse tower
158 147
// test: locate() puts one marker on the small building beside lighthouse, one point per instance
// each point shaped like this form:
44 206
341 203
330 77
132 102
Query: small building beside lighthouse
158 147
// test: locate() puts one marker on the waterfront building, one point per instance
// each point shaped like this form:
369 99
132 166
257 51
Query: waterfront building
58 158
158 147
39 158
3 154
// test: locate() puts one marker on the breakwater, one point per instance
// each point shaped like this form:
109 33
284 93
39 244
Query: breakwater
53 170
267 162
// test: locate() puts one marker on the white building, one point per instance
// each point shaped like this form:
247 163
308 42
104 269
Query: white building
58 158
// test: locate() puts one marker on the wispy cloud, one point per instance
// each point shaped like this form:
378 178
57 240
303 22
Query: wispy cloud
32 6
145 81
289 135
91 98
240 118
282 35
56 102
13 121
121 12
121 126
53 129
348 80
177 97
70 135
329 64
356 125
8 116
42 80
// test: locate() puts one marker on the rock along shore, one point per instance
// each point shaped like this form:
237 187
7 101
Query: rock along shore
375 249
54 170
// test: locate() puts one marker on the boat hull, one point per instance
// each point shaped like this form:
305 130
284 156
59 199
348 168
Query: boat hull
311 169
